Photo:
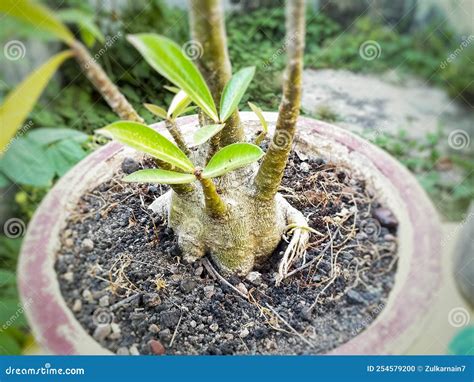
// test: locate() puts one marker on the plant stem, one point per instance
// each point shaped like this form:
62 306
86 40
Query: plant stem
215 206
271 170
177 135
208 29
104 85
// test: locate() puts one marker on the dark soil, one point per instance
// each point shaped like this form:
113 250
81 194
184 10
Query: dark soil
120 271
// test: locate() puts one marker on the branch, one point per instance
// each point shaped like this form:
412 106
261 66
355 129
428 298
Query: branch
208 29
175 132
104 85
271 171
215 206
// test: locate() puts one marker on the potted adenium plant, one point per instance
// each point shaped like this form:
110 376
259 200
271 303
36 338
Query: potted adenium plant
273 233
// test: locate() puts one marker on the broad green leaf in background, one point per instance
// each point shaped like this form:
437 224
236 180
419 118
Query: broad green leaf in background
37 15
159 176
205 133
26 163
7 278
168 59
64 155
49 135
21 100
143 138
232 157
4 182
234 91
9 346
11 311
88 29
179 103
157 110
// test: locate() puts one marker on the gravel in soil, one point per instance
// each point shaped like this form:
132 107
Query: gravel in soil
120 272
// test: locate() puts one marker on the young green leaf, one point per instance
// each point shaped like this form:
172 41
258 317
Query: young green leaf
180 102
157 110
90 32
168 59
188 109
232 157
263 122
21 100
234 91
172 89
145 139
159 176
38 15
205 133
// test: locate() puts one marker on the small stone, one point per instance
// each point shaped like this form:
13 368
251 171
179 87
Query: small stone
130 165
242 288
156 347
187 285
87 245
229 336
254 277
304 167
354 297
69 243
385 217
209 291
193 324
244 333
115 328
123 351
152 299
68 277
101 332
153 328
134 350
169 319
77 306
214 327
198 271
104 301
165 335
87 295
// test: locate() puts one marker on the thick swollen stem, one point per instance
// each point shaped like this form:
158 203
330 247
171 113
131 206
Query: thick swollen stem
208 29
177 135
104 85
271 171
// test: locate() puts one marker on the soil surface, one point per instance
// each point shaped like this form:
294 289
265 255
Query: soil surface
120 272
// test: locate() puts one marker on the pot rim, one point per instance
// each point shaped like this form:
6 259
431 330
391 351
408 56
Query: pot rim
56 329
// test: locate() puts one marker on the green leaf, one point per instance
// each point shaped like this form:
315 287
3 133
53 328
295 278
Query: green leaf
48 135
26 163
39 16
205 133
8 345
234 91
21 100
188 109
4 182
260 116
167 58
7 278
232 157
172 89
145 139
89 30
179 103
159 176
11 313
157 110
64 155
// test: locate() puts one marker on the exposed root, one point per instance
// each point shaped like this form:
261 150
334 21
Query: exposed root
298 227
